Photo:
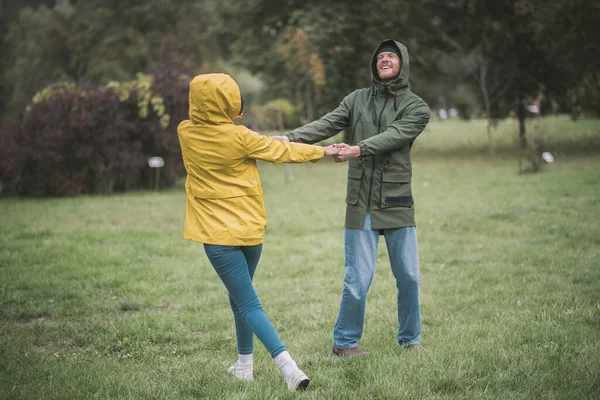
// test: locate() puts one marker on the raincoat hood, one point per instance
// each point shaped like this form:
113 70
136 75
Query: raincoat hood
401 82
214 99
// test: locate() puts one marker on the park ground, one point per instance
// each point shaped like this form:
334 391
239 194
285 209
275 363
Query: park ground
101 297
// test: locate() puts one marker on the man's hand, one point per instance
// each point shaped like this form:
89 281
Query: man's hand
346 152
283 138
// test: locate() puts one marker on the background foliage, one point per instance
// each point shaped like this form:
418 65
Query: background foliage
487 59
81 138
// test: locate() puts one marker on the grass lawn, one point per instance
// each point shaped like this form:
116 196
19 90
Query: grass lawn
101 297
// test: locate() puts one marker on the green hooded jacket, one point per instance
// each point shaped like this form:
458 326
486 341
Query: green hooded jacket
383 120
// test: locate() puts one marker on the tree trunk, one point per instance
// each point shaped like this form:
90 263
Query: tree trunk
521 115
280 125
299 99
490 139
486 101
308 101
287 170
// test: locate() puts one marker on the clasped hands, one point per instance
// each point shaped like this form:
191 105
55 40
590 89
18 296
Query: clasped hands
339 152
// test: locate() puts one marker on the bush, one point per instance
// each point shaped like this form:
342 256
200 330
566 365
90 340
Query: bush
586 97
74 139
465 102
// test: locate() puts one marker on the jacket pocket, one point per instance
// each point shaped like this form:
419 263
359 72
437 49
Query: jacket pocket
234 189
353 189
395 189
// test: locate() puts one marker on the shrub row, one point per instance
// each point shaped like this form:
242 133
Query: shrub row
79 138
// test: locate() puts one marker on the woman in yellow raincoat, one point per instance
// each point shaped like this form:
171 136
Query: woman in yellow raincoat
225 207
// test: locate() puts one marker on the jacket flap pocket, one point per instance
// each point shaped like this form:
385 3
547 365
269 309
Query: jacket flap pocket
221 192
355 173
397 176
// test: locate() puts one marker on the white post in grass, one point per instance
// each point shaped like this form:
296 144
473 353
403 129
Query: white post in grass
156 163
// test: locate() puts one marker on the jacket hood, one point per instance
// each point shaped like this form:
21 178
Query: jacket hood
215 99
401 82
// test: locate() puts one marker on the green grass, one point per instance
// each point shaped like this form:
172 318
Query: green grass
100 297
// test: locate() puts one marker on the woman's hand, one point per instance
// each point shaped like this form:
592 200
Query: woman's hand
331 150
346 152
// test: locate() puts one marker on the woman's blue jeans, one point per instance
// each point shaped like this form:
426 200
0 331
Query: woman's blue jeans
360 255
235 265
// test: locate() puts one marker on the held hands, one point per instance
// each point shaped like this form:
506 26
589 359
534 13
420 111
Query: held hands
340 152
345 152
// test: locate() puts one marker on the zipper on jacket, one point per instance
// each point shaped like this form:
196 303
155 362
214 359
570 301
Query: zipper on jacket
351 143
373 166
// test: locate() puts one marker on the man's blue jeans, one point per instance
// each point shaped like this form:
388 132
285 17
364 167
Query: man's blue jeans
360 254
235 265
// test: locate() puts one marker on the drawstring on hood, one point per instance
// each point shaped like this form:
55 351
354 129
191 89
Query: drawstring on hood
372 105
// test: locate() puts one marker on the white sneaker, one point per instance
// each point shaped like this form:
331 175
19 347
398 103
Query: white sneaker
242 371
294 377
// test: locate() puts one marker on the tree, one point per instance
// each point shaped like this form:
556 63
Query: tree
305 70
37 54
522 47
97 41
342 35
564 31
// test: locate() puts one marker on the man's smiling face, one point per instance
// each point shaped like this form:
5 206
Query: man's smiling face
388 66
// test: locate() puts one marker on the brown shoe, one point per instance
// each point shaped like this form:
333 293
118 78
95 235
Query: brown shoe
351 352
414 346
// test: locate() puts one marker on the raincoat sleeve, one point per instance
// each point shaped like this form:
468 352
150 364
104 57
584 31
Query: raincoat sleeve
325 127
264 148
400 133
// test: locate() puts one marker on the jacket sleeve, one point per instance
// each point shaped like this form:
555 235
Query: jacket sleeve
400 133
325 127
264 148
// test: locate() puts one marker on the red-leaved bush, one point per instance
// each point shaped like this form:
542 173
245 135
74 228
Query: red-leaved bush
96 139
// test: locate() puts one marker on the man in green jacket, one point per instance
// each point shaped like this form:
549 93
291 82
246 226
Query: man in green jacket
380 123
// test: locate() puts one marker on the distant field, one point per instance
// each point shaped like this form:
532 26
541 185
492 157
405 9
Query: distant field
100 297
455 137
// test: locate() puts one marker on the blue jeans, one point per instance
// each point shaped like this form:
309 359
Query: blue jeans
360 256
235 265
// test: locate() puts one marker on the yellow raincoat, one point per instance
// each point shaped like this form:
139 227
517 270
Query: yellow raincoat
225 204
